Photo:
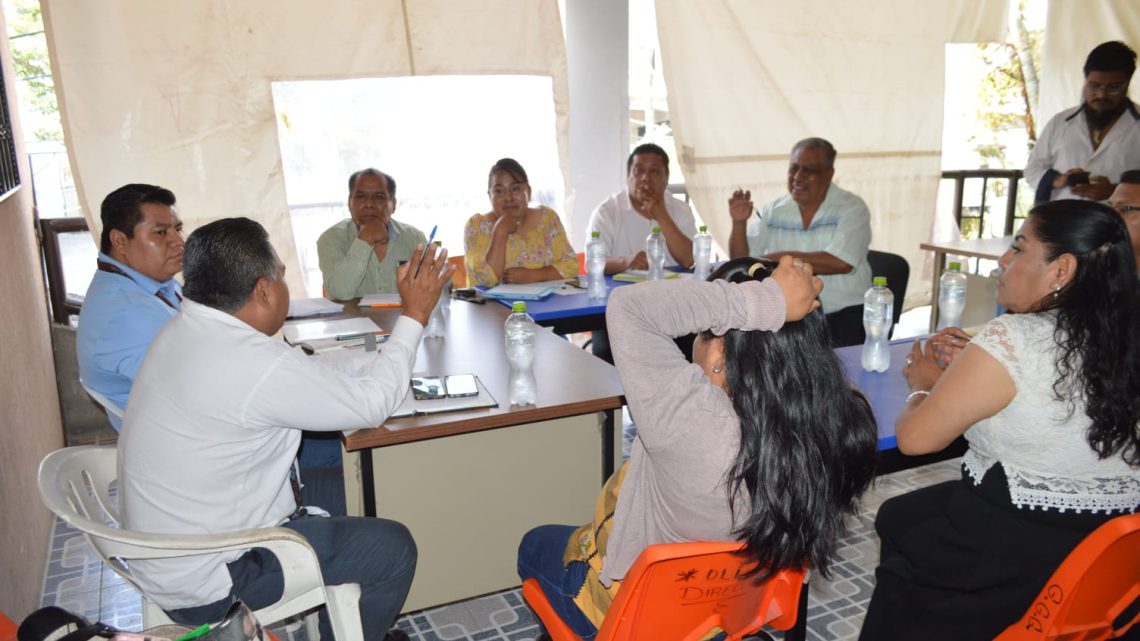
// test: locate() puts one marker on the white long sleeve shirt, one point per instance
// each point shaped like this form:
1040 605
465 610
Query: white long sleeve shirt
213 425
1065 143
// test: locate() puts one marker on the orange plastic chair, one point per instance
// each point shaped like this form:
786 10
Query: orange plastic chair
582 263
8 628
1093 595
681 591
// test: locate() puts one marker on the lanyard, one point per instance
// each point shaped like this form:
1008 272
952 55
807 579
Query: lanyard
114 269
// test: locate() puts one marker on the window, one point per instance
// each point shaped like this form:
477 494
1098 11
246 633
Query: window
437 136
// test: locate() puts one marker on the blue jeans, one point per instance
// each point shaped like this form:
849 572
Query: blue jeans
540 558
378 554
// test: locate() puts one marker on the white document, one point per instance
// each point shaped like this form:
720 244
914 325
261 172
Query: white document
316 330
305 307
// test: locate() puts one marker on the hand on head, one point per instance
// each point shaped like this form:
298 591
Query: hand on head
420 282
801 288
740 206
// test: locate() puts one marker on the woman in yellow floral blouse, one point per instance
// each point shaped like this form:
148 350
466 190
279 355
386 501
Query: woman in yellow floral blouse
516 243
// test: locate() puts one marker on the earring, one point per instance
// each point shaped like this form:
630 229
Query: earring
1056 290
718 370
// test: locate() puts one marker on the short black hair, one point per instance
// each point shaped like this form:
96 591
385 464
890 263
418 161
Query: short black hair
1111 56
647 148
818 143
121 209
223 261
371 171
511 167
1130 177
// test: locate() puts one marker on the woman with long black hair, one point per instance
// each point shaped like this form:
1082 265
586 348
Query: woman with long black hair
1048 397
761 439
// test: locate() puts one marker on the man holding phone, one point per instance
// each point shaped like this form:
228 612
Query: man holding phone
1083 151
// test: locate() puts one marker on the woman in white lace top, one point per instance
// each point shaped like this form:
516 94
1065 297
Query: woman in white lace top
1048 397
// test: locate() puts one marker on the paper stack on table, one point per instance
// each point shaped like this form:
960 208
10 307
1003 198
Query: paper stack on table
319 336
305 307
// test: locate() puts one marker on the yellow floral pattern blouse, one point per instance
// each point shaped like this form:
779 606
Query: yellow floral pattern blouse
544 246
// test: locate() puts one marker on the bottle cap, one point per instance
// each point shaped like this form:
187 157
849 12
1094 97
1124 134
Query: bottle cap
656 229
595 234
703 228
879 281
955 267
518 307
437 243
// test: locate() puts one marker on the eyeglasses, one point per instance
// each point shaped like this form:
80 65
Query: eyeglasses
1126 209
515 189
1115 89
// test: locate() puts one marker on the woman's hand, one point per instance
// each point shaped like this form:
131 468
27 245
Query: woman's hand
947 344
921 370
801 289
517 275
505 226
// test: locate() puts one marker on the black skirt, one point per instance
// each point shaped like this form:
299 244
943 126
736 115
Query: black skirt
960 562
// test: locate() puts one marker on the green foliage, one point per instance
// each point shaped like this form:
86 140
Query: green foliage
35 88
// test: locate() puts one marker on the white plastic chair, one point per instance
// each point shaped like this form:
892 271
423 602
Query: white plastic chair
102 400
75 484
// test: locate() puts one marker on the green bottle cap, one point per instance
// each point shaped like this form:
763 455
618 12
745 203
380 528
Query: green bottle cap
879 281
703 228
656 229
595 234
518 307
438 243
955 267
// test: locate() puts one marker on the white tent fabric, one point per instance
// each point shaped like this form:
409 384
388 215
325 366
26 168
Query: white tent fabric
178 93
1080 25
748 78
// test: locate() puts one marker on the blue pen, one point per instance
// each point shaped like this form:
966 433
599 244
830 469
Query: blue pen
430 239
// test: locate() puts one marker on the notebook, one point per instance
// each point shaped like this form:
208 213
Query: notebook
534 291
412 407
317 330
304 307
639 275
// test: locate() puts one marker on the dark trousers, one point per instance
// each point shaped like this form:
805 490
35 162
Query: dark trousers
378 554
540 558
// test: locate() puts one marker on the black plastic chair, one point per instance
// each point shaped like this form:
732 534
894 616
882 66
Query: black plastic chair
897 271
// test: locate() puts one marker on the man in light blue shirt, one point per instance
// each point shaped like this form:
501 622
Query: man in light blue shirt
816 222
133 292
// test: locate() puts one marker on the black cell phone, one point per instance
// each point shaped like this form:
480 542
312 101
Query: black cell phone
462 385
1079 178
469 294
427 388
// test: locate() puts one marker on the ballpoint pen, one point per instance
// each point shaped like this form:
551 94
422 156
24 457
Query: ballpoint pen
429 241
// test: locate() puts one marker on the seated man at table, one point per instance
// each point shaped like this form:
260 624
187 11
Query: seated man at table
1126 200
359 255
626 218
818 223
133 293
215 420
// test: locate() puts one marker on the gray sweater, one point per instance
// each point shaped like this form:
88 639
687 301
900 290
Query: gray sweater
688 431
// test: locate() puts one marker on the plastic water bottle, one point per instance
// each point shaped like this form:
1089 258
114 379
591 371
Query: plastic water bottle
596 265
655 254
951 296
999 309
702 254
437 319
518 339
878 311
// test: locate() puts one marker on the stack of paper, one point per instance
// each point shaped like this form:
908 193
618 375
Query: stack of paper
304 307
639 275
533 291
320 335
381 300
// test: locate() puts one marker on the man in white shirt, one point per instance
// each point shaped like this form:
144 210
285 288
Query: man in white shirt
625 220
818 223
1083 150
215 420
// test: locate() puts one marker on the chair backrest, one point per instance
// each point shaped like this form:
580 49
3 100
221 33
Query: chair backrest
683 590
897 271
1094 594
459 277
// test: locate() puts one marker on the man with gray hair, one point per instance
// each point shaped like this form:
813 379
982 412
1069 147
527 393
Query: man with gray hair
816 222
214 424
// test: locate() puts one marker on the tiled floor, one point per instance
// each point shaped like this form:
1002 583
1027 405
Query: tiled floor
77 580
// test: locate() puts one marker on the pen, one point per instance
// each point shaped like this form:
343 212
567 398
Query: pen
196 632
430 239
349 337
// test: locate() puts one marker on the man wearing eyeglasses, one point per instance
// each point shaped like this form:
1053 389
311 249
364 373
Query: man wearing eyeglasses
819 223
1083 150
1126 200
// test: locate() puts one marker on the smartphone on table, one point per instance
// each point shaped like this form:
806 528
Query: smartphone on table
462 385
426 388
